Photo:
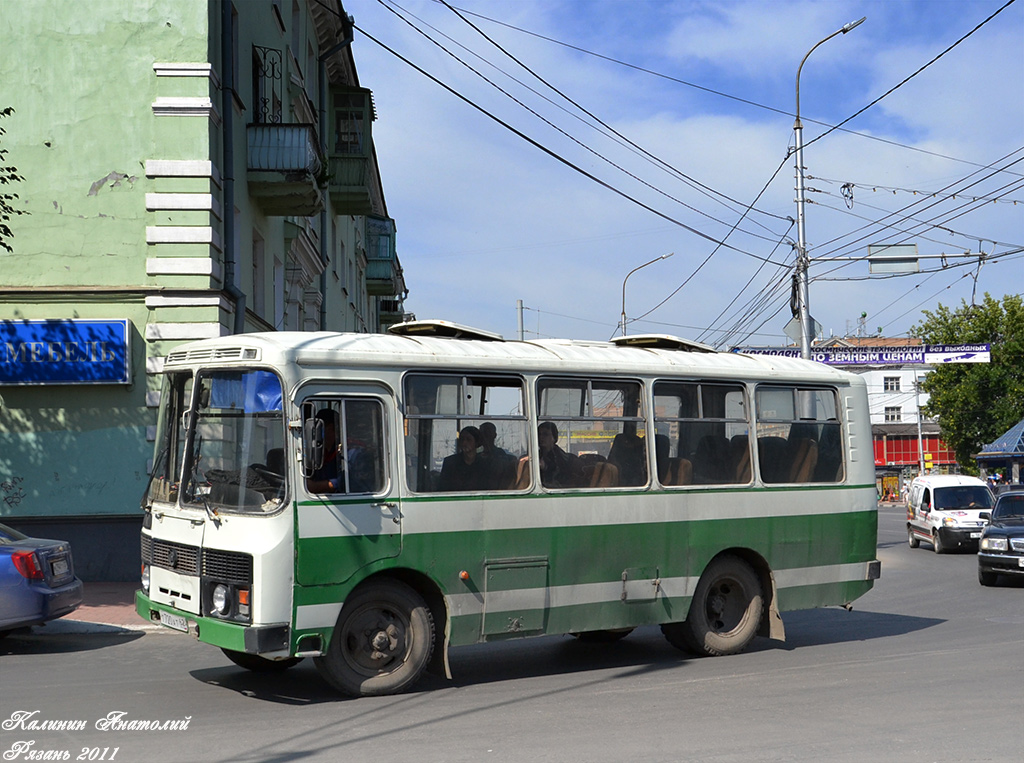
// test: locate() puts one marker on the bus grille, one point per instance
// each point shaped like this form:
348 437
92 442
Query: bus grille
229 566
171 556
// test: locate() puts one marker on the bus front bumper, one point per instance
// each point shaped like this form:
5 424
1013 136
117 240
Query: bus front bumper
270 639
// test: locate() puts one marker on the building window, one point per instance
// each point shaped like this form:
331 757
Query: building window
893 414
891 384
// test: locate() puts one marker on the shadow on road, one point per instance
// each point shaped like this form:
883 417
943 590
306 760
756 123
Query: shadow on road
644 651
38 641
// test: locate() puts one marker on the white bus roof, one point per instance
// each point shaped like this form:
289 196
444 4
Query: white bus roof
336 350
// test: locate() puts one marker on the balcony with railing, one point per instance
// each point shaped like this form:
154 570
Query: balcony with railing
384 276
285 166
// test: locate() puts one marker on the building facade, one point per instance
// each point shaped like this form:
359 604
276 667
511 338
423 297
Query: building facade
190 169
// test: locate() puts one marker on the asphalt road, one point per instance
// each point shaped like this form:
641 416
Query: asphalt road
929 666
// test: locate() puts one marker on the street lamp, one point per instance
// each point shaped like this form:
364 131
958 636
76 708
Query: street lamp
802 261
622 323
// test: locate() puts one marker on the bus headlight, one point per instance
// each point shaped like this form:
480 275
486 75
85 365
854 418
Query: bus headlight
145 579
220 599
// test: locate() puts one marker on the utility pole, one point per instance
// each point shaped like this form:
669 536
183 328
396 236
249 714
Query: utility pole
802 260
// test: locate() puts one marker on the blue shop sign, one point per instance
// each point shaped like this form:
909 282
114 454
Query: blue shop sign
64 352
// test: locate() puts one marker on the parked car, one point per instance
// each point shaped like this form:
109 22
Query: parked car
37 580
1002 542
945 510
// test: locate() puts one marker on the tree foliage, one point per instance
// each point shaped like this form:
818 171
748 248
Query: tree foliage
976 402
8 175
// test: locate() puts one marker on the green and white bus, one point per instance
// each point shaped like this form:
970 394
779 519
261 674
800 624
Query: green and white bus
370 500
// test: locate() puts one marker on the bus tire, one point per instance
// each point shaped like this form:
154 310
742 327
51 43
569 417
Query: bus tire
258 664
912 540
725 612
382 642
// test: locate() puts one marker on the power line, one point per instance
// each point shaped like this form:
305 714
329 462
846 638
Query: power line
553 154
571 137
728 96
896 87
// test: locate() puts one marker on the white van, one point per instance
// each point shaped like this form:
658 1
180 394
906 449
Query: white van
944 511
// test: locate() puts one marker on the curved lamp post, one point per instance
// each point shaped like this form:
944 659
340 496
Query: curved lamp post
802 261
622 322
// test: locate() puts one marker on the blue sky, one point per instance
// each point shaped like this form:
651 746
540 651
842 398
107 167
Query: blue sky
696 101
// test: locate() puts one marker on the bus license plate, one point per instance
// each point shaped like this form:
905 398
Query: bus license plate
975 535
177 622
60 567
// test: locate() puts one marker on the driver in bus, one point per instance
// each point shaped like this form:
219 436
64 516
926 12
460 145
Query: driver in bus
330 477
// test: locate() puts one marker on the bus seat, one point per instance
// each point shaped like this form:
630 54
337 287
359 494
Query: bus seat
605 474
743 467
804 460
629 456
711 460
680 472
275 460
739 453
771 456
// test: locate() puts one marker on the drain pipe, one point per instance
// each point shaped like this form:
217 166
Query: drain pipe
227 71
346 24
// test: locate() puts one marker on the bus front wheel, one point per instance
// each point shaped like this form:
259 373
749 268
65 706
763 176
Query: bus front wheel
382 642
725 612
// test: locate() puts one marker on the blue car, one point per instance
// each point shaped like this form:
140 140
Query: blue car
37 580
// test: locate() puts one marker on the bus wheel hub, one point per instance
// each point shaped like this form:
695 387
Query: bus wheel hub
384 642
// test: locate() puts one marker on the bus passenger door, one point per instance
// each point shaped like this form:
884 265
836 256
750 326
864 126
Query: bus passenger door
348 512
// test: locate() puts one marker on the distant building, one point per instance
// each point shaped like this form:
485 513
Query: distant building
904 439
895 404
191 169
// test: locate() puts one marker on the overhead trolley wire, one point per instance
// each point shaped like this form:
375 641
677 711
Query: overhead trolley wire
572 138
721 94
696 184
907 79
557 157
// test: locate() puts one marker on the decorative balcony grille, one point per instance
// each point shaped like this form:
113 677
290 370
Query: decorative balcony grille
267 74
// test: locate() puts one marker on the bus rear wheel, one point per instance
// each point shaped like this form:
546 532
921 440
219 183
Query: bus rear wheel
382 642
725 612
258 664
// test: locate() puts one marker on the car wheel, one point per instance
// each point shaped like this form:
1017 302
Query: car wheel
258 664
912 539
937 545
725 612
986 578
382 642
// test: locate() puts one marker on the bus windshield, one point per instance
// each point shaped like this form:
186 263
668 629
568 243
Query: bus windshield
228 444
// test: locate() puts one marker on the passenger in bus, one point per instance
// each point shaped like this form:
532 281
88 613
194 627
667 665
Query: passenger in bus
557 468
498 462
464 470
330 477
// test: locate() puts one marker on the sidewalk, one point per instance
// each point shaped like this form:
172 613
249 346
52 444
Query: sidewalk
106 608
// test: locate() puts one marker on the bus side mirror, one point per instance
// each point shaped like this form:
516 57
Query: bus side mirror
312 446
